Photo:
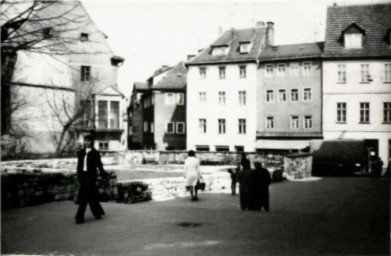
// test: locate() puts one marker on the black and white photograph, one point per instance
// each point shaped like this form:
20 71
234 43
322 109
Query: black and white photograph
195 127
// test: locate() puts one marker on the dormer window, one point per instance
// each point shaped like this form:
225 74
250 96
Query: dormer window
83 37
353 37
245 47
220 50
353 40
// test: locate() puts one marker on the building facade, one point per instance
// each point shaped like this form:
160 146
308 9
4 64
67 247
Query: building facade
161 117
357 76
135 115
289 97
221 87
74 76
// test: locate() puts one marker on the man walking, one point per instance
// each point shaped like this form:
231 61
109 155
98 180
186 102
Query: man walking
87 165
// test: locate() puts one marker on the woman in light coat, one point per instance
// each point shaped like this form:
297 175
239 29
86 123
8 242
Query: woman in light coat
192 174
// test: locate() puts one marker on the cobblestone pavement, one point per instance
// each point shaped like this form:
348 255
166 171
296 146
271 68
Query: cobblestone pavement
329 216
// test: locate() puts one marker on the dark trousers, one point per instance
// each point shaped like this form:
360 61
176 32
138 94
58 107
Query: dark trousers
88 194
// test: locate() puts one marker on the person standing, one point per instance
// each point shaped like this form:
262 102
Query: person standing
258 188
243 170
192 174
88 162
234 179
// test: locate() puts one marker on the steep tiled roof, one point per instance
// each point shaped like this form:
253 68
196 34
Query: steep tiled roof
174 79
233 38
292 51
375 20
140 86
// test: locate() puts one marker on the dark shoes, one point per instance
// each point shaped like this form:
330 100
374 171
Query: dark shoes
98 217
194 199
78 221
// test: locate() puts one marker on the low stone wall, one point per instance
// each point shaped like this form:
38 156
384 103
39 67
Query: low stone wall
166 188
298 166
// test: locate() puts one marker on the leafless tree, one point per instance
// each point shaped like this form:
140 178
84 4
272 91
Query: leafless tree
70 114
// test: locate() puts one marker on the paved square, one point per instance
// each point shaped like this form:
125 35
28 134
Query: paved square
331 216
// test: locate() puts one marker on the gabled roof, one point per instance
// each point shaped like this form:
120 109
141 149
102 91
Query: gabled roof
292 51
174 79
109 90
233 38
375 20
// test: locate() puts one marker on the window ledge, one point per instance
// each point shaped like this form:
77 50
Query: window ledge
365 82
387 82
341 82
337 122
387 122
364 123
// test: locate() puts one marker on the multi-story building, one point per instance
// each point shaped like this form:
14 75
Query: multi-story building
74 70
357 76
221 91
135 116
161 117
289 97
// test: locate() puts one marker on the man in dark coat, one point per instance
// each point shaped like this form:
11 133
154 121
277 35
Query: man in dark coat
243 170
258 188
87 165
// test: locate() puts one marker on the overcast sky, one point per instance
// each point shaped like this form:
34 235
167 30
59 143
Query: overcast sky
149 34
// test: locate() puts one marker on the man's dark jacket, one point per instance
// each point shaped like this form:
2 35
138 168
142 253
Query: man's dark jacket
87 179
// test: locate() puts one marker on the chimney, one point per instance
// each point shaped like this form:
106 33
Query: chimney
190 56
270 33
260 24
220 31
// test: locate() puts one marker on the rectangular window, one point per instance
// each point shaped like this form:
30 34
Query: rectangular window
145 126
353 40
364 112
152 99
242 98
222 72
387 72
202 72
202 97
307 122
239 148
102 114
103 145
221 126
341 112
387 112
222 148
202 125
294 122
202 148
294 69
294 94
114 114
83 37
281 68
170 98
365 77
88 115
307 68
307 94
242 126
282 95
85 73
242 71
269 70
269 122
180 99
269 96
180 127
170 127
221 98
152 127
342 73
